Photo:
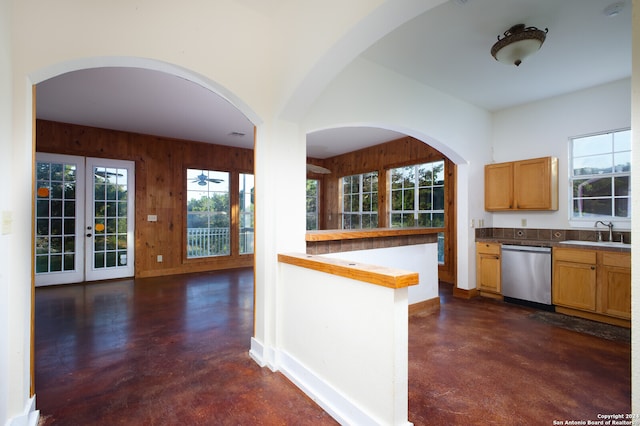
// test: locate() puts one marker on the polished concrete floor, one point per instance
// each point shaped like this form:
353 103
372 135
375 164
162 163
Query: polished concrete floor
174 351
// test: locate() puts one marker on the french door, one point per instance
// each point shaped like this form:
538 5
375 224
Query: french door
84 223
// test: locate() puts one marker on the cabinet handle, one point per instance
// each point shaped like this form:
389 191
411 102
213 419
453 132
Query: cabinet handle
593 268
497 257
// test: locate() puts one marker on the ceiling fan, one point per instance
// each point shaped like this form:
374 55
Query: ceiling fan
314 168
202 179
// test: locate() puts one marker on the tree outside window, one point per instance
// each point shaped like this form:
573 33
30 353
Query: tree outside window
417 198
312 204
246 209
360 201
208 213
601 176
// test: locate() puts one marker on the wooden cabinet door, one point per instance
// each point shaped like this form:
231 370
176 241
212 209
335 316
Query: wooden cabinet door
574 285
615 284
488 272
498 186
534 182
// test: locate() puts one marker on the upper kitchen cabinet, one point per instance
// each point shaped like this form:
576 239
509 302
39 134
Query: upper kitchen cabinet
522 185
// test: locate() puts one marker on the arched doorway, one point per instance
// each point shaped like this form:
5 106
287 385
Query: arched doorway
124 79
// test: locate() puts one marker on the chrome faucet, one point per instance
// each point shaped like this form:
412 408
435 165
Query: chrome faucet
608 225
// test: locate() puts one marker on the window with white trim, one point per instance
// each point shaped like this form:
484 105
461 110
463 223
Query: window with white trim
417 195
360 201
246 209
208 213
417 198
600 177
312 204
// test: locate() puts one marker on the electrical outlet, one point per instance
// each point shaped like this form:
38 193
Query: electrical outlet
473 223
159 258
152 218
524 222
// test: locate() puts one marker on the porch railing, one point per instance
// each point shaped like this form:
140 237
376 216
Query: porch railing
204 242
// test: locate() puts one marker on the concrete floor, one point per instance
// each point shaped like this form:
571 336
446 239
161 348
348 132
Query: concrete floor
174 350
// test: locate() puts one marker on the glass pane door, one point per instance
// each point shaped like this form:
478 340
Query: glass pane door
59 209
84 219
109 230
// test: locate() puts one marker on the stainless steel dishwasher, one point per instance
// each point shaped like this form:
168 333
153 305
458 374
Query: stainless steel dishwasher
526 275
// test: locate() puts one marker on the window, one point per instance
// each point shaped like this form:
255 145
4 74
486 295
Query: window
312 204
417 198
246 209
417 195
360 201
208 213
601 177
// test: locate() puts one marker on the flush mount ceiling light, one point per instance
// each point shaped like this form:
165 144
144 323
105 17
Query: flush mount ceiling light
518 43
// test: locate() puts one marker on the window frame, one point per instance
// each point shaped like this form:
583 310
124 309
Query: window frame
246 214
228 176
588 221
315 199
416 211
361 195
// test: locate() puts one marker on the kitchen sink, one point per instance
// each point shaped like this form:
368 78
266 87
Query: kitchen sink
616 244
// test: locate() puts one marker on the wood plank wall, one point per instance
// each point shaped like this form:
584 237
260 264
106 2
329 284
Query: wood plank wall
161 165
383 157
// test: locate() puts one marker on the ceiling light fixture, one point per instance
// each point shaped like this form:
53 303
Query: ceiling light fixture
518 43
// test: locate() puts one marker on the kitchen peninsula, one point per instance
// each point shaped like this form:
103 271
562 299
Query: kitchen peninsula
413 249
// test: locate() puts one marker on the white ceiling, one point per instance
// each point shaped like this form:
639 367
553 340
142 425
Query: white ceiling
446 48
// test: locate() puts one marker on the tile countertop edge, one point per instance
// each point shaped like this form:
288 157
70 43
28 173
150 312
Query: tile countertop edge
545 243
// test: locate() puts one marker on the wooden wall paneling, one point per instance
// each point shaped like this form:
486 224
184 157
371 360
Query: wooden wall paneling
160 184
383 157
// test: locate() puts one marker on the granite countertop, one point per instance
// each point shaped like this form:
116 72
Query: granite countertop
590 245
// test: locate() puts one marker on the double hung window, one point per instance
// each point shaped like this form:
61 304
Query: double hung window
417 195
246 209
208 213
600 177
312 204
360 201
417 198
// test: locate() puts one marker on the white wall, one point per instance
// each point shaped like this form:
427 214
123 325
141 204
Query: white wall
543 128
7 336
345 342
420 258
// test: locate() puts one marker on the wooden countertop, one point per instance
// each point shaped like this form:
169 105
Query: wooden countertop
352 234
378 275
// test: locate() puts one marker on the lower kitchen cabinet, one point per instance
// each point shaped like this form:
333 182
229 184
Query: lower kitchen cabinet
574 279
615 273
488 267
592 284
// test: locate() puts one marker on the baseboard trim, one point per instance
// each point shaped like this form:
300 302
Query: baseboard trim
425 307
322 393
256 352
465 294
30 416
262 355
